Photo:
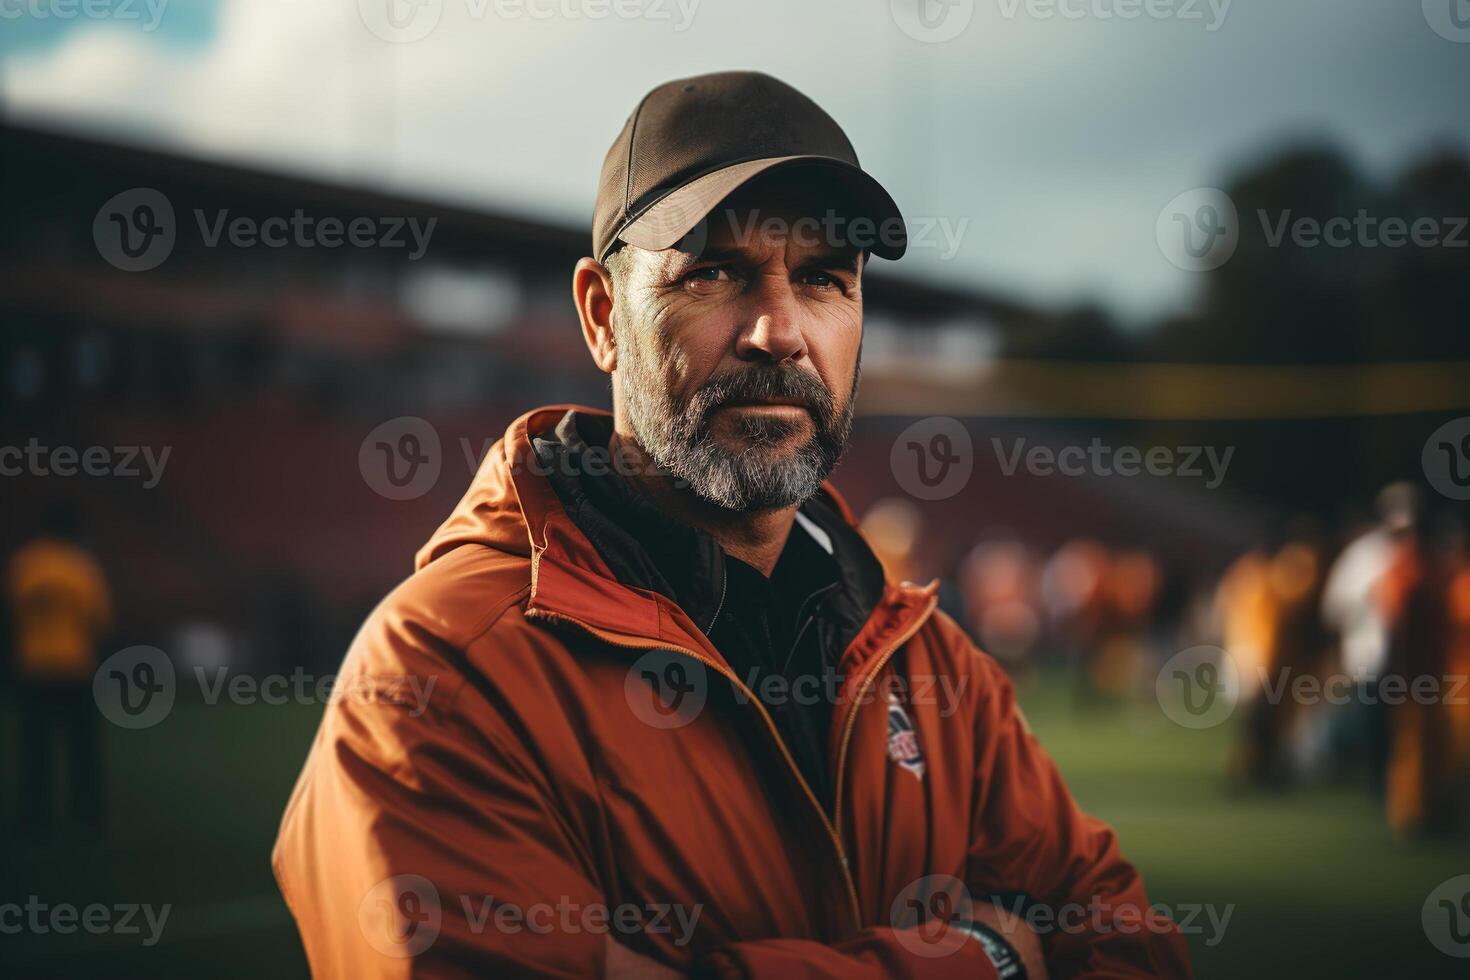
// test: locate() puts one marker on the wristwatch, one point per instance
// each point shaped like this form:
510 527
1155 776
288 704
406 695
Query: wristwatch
1003 955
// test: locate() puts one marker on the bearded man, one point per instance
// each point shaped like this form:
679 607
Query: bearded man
680 723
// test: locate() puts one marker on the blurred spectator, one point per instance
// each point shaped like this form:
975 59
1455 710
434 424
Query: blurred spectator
1457 664
1072 594
1351 610
1270 606
60 608
1414 598
1000 585
1294 730
1244 611
1131 589
1347 606
894 529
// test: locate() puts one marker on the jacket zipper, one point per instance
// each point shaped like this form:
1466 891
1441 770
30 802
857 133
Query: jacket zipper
851 722
724 585
620 640
832 825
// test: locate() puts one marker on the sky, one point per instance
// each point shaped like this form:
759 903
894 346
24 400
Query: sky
1038 141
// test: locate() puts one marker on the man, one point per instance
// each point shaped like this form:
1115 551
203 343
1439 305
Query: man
60 608
680 724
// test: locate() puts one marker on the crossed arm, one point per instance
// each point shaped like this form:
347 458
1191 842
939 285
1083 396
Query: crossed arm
473 797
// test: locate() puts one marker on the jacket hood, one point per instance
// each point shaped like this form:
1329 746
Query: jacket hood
507 501
512 508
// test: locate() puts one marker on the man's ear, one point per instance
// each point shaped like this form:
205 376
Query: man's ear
592 291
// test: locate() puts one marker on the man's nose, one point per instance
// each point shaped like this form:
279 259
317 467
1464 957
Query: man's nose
774 333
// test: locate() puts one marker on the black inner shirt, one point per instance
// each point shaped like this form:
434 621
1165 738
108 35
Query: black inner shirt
782 636
767 630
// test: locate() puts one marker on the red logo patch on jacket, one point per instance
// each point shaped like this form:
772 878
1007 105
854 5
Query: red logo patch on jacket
903 742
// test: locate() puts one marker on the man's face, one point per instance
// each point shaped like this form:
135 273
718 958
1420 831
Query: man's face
738 365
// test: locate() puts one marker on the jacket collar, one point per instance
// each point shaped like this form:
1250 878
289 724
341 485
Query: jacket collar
513 507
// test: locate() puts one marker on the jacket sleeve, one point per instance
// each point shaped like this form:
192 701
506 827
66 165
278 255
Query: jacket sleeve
1034 851
421 844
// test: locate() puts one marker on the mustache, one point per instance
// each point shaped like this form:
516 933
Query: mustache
758 384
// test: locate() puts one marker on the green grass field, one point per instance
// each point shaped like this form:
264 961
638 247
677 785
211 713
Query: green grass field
1316 885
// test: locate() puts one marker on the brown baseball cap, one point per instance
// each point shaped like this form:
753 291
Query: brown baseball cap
691 142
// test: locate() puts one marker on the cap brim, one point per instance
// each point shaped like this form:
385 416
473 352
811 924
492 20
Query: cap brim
662 224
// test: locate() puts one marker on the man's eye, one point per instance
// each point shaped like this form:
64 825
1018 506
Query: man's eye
819 278
709 273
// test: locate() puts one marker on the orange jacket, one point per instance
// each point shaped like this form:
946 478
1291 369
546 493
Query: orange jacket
489 795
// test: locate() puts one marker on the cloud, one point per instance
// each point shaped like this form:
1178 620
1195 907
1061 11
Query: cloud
1059 139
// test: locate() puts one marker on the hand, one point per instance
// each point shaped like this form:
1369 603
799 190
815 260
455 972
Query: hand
1014 930
624 964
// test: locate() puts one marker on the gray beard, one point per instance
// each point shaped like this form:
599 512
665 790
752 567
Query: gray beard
679 441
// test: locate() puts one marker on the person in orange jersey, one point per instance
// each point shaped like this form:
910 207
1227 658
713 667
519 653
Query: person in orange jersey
1269 610
680 722
1414 596
1457 669
60 608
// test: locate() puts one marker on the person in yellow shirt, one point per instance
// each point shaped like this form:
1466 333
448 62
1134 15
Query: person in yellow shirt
60 608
